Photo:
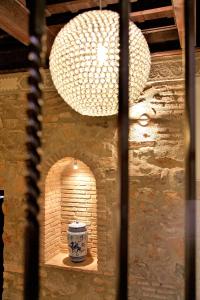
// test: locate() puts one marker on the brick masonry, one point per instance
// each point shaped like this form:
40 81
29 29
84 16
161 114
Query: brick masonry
69 195
156 235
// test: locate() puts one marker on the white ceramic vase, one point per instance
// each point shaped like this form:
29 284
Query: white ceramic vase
77 241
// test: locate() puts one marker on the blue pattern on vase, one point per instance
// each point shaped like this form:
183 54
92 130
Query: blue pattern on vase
77 243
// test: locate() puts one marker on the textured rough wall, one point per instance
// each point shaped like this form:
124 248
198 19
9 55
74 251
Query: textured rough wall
12 103
157 201
51 219
156 189
69 195
91 140
78 202
66 134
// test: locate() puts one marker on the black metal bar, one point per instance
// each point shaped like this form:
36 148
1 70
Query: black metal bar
31 271
1 241
190 215
197 23
123 125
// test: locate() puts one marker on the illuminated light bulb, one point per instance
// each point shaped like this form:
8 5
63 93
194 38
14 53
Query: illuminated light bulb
75 166
143 120
101 54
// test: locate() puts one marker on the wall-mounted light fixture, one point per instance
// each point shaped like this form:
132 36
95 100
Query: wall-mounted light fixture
142 113
144 120
75 164
141 116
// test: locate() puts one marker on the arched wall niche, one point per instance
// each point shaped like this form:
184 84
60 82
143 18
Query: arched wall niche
107 196
70 194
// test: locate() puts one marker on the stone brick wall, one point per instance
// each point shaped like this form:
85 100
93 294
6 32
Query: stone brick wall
157 199
69 195
79 202
156 265
52 212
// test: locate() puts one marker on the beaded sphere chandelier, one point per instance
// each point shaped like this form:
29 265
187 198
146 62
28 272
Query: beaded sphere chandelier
84 63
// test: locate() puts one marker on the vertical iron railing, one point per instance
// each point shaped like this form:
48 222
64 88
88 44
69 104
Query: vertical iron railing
33 128
123 125
1 241
190 215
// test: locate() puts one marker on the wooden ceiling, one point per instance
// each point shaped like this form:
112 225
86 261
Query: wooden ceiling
160 21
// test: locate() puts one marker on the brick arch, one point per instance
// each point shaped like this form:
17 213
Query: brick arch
66 148
69 194
80 155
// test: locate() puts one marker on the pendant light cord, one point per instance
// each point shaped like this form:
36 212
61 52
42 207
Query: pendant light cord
100 5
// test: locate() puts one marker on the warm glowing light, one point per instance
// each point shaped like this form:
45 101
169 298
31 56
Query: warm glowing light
101 54
142 113
140 134
75 165
84 63
141 109
144 120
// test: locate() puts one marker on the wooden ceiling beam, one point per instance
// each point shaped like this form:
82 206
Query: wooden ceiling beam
178 6
152 14
55 28
161 34
23 2
14 18
153 35
76 5
72 6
